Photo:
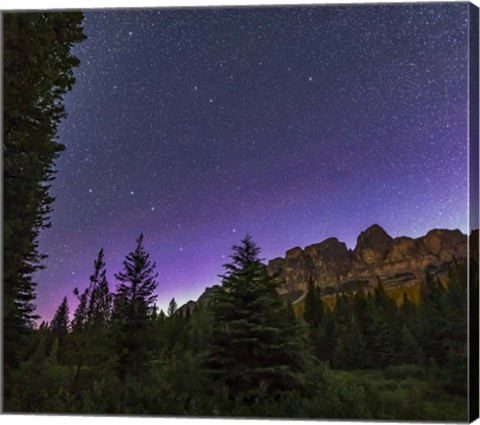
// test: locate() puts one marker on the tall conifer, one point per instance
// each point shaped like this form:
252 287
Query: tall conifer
253 344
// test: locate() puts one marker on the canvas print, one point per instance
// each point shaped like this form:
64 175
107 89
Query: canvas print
257 212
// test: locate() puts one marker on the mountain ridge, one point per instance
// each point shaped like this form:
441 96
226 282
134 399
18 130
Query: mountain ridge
333 267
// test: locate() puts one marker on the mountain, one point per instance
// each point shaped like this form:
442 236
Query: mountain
204 298
398 262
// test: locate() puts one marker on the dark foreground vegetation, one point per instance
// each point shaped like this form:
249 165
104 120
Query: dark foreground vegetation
245 353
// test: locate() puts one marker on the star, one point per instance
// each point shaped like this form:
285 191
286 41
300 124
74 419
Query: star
290 161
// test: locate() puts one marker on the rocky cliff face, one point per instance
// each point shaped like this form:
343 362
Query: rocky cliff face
396 261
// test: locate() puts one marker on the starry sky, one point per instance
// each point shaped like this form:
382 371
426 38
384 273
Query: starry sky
196 126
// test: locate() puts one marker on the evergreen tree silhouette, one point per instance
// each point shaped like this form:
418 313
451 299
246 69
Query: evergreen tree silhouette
38 71
134 303
253 345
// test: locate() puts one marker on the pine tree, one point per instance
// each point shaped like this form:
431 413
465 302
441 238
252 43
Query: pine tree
314 314
100 303
408 313
381 340
175 327
313 311
342 311
161 316
362 309
136 292
456 307
80 318
384 302
60 327
134 303
253 345
172 308
80 338
95 303
38 71
325 338
60 322
90 343
432 317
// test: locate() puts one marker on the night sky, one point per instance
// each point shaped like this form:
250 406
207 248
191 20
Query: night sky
196 126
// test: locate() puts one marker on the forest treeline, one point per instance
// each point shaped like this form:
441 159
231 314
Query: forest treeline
245 353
